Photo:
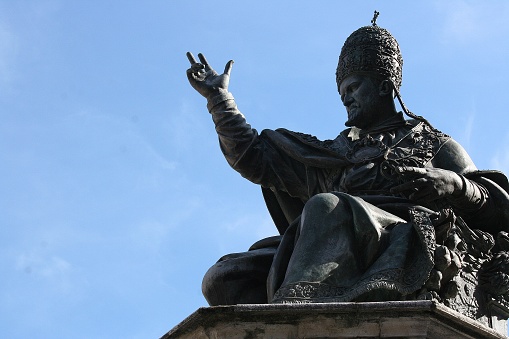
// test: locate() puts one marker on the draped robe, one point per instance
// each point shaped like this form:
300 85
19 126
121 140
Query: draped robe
389 239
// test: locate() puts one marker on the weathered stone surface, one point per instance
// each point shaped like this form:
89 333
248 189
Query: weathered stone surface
399 319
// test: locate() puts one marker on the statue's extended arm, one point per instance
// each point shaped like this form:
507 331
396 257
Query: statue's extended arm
247 152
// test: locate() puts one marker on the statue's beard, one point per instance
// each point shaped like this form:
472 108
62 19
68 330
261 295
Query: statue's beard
352 115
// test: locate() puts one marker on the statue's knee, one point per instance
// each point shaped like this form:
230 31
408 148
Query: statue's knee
322 203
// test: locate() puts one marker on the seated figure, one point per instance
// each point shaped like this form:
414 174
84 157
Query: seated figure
391 209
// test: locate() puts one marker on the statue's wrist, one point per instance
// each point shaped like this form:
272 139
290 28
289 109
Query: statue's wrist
469 196
219 97
461 187
214 92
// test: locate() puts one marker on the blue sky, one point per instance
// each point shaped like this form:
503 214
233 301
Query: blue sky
115 196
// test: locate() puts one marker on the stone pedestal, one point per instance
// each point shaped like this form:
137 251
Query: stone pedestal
397 319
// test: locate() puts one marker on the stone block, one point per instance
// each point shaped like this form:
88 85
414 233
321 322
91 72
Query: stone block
395 319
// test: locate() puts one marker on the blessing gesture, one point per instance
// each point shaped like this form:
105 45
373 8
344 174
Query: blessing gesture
204 79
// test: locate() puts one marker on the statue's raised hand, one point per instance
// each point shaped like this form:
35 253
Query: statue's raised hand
204 79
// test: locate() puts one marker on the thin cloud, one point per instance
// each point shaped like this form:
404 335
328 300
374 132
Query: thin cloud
500 160
243 230
23 34
187 127
150 235
468 130
52 269
266 228
8 51
118 131
467 21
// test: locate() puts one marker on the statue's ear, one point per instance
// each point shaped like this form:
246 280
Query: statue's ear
385 88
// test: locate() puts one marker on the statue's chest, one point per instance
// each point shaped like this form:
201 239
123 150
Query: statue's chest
373 159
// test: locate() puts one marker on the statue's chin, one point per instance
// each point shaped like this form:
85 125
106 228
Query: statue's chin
350 123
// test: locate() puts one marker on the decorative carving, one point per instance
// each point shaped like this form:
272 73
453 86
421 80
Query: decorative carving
393 209
367 149
373 50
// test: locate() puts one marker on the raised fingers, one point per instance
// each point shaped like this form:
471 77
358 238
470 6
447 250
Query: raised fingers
204 61
191 58
196 67
228 67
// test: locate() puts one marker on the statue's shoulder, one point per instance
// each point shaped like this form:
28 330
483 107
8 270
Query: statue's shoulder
311 140
421 134
425 127
417 143
303 137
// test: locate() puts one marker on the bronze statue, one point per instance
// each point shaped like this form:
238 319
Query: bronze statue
391 209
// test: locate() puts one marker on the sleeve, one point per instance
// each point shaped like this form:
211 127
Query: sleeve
253 155
482 203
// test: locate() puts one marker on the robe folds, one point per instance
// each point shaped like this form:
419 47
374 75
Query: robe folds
381 246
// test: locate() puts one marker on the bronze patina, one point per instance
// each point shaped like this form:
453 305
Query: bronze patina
391 209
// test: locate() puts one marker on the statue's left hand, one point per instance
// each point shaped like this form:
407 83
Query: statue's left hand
204 79
428 184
